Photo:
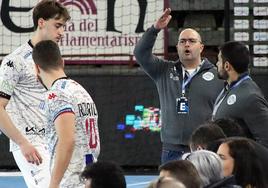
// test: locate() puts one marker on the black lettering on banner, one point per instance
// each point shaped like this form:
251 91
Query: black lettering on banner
110 16
6 10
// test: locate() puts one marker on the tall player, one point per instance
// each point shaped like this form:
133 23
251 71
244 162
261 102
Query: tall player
22 113
72 130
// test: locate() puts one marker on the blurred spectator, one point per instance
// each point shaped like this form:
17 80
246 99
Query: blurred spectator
104 175
241 159
183 171
166 182
208 165
226 182
230 127
205 136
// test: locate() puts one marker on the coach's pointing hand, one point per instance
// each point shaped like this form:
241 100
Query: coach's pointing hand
163 21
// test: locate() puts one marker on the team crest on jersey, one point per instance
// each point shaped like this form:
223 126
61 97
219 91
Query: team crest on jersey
231 99
52 96
208 76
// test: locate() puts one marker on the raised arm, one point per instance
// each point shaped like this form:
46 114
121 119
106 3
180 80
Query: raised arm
151 64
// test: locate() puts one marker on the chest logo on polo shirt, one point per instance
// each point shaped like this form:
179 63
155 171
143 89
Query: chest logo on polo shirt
231 99
208 76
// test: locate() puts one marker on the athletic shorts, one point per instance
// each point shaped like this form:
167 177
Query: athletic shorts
34 176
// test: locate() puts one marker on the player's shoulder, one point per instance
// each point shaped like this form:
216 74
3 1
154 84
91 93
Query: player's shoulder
23 52
61 87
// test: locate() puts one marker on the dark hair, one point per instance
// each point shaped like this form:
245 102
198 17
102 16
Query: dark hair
48 9
230 127
205 135
47 55
166 182
183 171
248 169
104 174
237 54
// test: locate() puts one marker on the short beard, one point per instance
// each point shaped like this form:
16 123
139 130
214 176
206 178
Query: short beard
224 75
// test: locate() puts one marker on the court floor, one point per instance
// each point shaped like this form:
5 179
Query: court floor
15 180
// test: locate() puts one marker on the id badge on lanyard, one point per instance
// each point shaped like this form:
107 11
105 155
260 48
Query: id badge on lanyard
182 105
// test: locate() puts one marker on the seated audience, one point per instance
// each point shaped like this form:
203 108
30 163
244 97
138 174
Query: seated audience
103 175
166 182
208 165
206 136
226 182
183 171
230 127
241 159
210 169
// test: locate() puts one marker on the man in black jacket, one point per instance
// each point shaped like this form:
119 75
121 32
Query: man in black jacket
241 99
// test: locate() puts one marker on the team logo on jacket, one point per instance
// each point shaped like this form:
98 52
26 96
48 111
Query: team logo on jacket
231 99
174 77
208 76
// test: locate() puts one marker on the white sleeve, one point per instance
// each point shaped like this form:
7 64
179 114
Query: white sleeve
10 73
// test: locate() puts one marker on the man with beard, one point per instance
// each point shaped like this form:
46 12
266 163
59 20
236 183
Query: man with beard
187 88
241 98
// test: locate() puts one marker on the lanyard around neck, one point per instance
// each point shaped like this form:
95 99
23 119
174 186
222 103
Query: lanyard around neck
185 82
222 95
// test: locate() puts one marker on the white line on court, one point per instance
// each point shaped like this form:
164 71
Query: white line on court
134 184
10 173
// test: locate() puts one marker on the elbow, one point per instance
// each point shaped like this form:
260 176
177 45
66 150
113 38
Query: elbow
138 54
138 50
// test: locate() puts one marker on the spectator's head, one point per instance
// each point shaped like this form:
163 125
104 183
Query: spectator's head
230 127
189 47
166 182
240 159
208 165
104 175
205 135
183 171
49 18
233 58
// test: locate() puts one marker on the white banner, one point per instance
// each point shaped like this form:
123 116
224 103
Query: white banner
99 30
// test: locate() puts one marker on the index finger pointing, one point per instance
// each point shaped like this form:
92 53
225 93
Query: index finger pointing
166 12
